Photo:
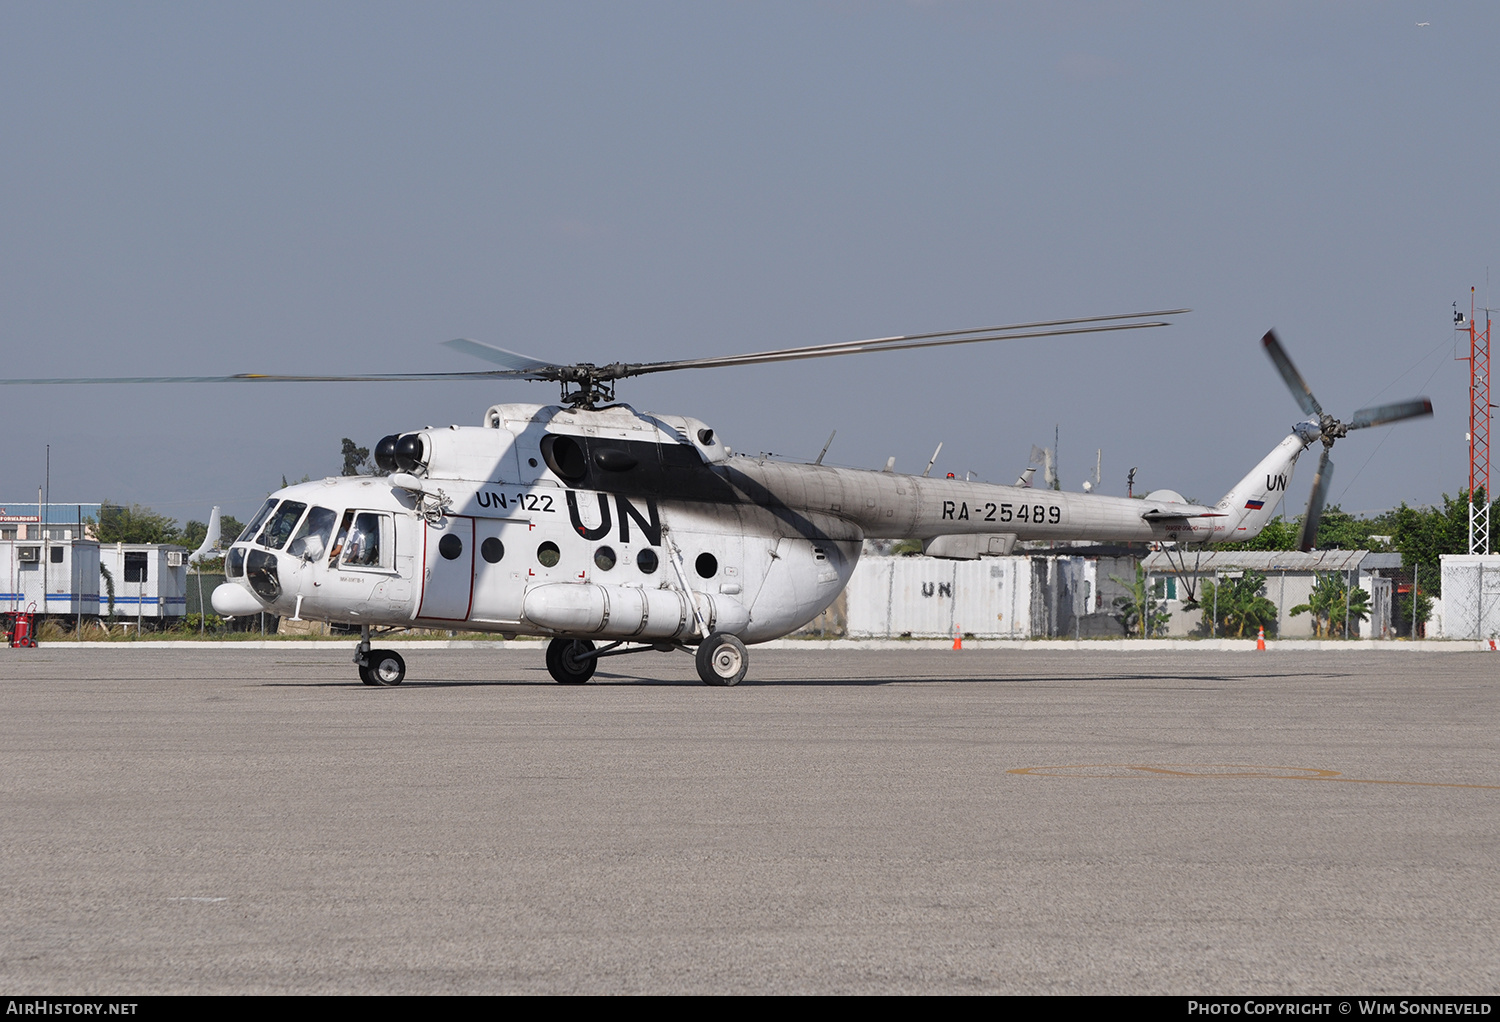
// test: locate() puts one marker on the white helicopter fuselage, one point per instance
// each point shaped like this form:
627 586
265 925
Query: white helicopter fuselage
621 525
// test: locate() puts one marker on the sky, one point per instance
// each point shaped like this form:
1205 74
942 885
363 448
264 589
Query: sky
214 188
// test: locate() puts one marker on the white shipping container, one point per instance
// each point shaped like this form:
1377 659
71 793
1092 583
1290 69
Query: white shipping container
930 598
150 579
67 568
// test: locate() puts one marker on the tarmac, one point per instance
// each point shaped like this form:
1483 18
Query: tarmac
1190 821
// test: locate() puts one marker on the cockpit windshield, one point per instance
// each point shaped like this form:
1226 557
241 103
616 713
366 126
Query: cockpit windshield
274 535
257 521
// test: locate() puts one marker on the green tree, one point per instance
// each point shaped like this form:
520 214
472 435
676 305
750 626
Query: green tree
1133 608
229 529
1240 604
109 589
1402 613
194 532
1339 530
1279 534
1331 603
1423 534
117 523
356 459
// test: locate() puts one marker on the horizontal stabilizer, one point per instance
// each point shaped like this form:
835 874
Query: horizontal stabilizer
1162 516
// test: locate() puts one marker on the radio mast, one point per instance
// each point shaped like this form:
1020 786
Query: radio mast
1479 427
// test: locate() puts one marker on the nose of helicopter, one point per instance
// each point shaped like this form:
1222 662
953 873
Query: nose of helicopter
233 600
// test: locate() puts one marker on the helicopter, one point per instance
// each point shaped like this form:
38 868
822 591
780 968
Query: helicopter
612 531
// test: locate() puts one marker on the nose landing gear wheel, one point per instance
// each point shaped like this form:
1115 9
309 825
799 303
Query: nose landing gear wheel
722 660
563 663
385 667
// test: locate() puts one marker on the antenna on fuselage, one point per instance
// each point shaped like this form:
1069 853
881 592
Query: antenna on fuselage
933 460
825 447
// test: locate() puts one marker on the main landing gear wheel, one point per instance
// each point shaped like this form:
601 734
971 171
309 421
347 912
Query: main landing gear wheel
384 667
563 663
722 660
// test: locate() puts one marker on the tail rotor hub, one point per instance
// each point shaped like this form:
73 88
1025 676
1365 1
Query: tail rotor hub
1331 429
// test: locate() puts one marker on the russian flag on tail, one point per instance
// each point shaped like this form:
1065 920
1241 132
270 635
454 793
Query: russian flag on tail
1254 505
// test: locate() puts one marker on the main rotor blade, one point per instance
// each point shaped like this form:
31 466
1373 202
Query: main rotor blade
1294 381
483 374
620 370
1308 535
500 356
525 367
995 329
1379 415
858 347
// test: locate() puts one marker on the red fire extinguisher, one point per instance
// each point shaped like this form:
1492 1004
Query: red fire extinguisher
23 631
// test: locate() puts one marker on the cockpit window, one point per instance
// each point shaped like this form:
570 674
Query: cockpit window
338 544
275 534
362 549
312 539
257 521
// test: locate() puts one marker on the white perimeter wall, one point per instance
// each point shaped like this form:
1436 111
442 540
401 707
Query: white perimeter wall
1471 597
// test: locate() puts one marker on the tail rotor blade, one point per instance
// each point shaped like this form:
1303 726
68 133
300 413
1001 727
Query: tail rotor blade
1379 415
1294 381
1309 533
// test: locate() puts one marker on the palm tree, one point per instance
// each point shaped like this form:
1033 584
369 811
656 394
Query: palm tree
1240 605
1133 608
1332 603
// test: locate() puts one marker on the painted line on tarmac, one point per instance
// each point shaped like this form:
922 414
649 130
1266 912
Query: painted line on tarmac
1097 771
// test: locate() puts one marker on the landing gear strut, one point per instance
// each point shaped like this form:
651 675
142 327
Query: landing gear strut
383 667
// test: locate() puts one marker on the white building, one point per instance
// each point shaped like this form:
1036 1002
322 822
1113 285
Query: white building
1471 596
1290 577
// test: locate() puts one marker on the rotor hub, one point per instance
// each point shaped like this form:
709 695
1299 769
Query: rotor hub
1331 429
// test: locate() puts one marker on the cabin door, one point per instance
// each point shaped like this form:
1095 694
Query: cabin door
448 573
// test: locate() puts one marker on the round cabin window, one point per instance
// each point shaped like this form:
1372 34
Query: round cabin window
492 550
604 558
646 561
548 555
707 565
450 546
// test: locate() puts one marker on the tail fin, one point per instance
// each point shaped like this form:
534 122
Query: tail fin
210 541
1252 502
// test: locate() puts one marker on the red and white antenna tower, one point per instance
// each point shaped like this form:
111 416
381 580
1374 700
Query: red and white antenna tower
1479 428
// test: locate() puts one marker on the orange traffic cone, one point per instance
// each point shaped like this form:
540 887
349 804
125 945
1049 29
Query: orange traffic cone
1260 640
958 637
